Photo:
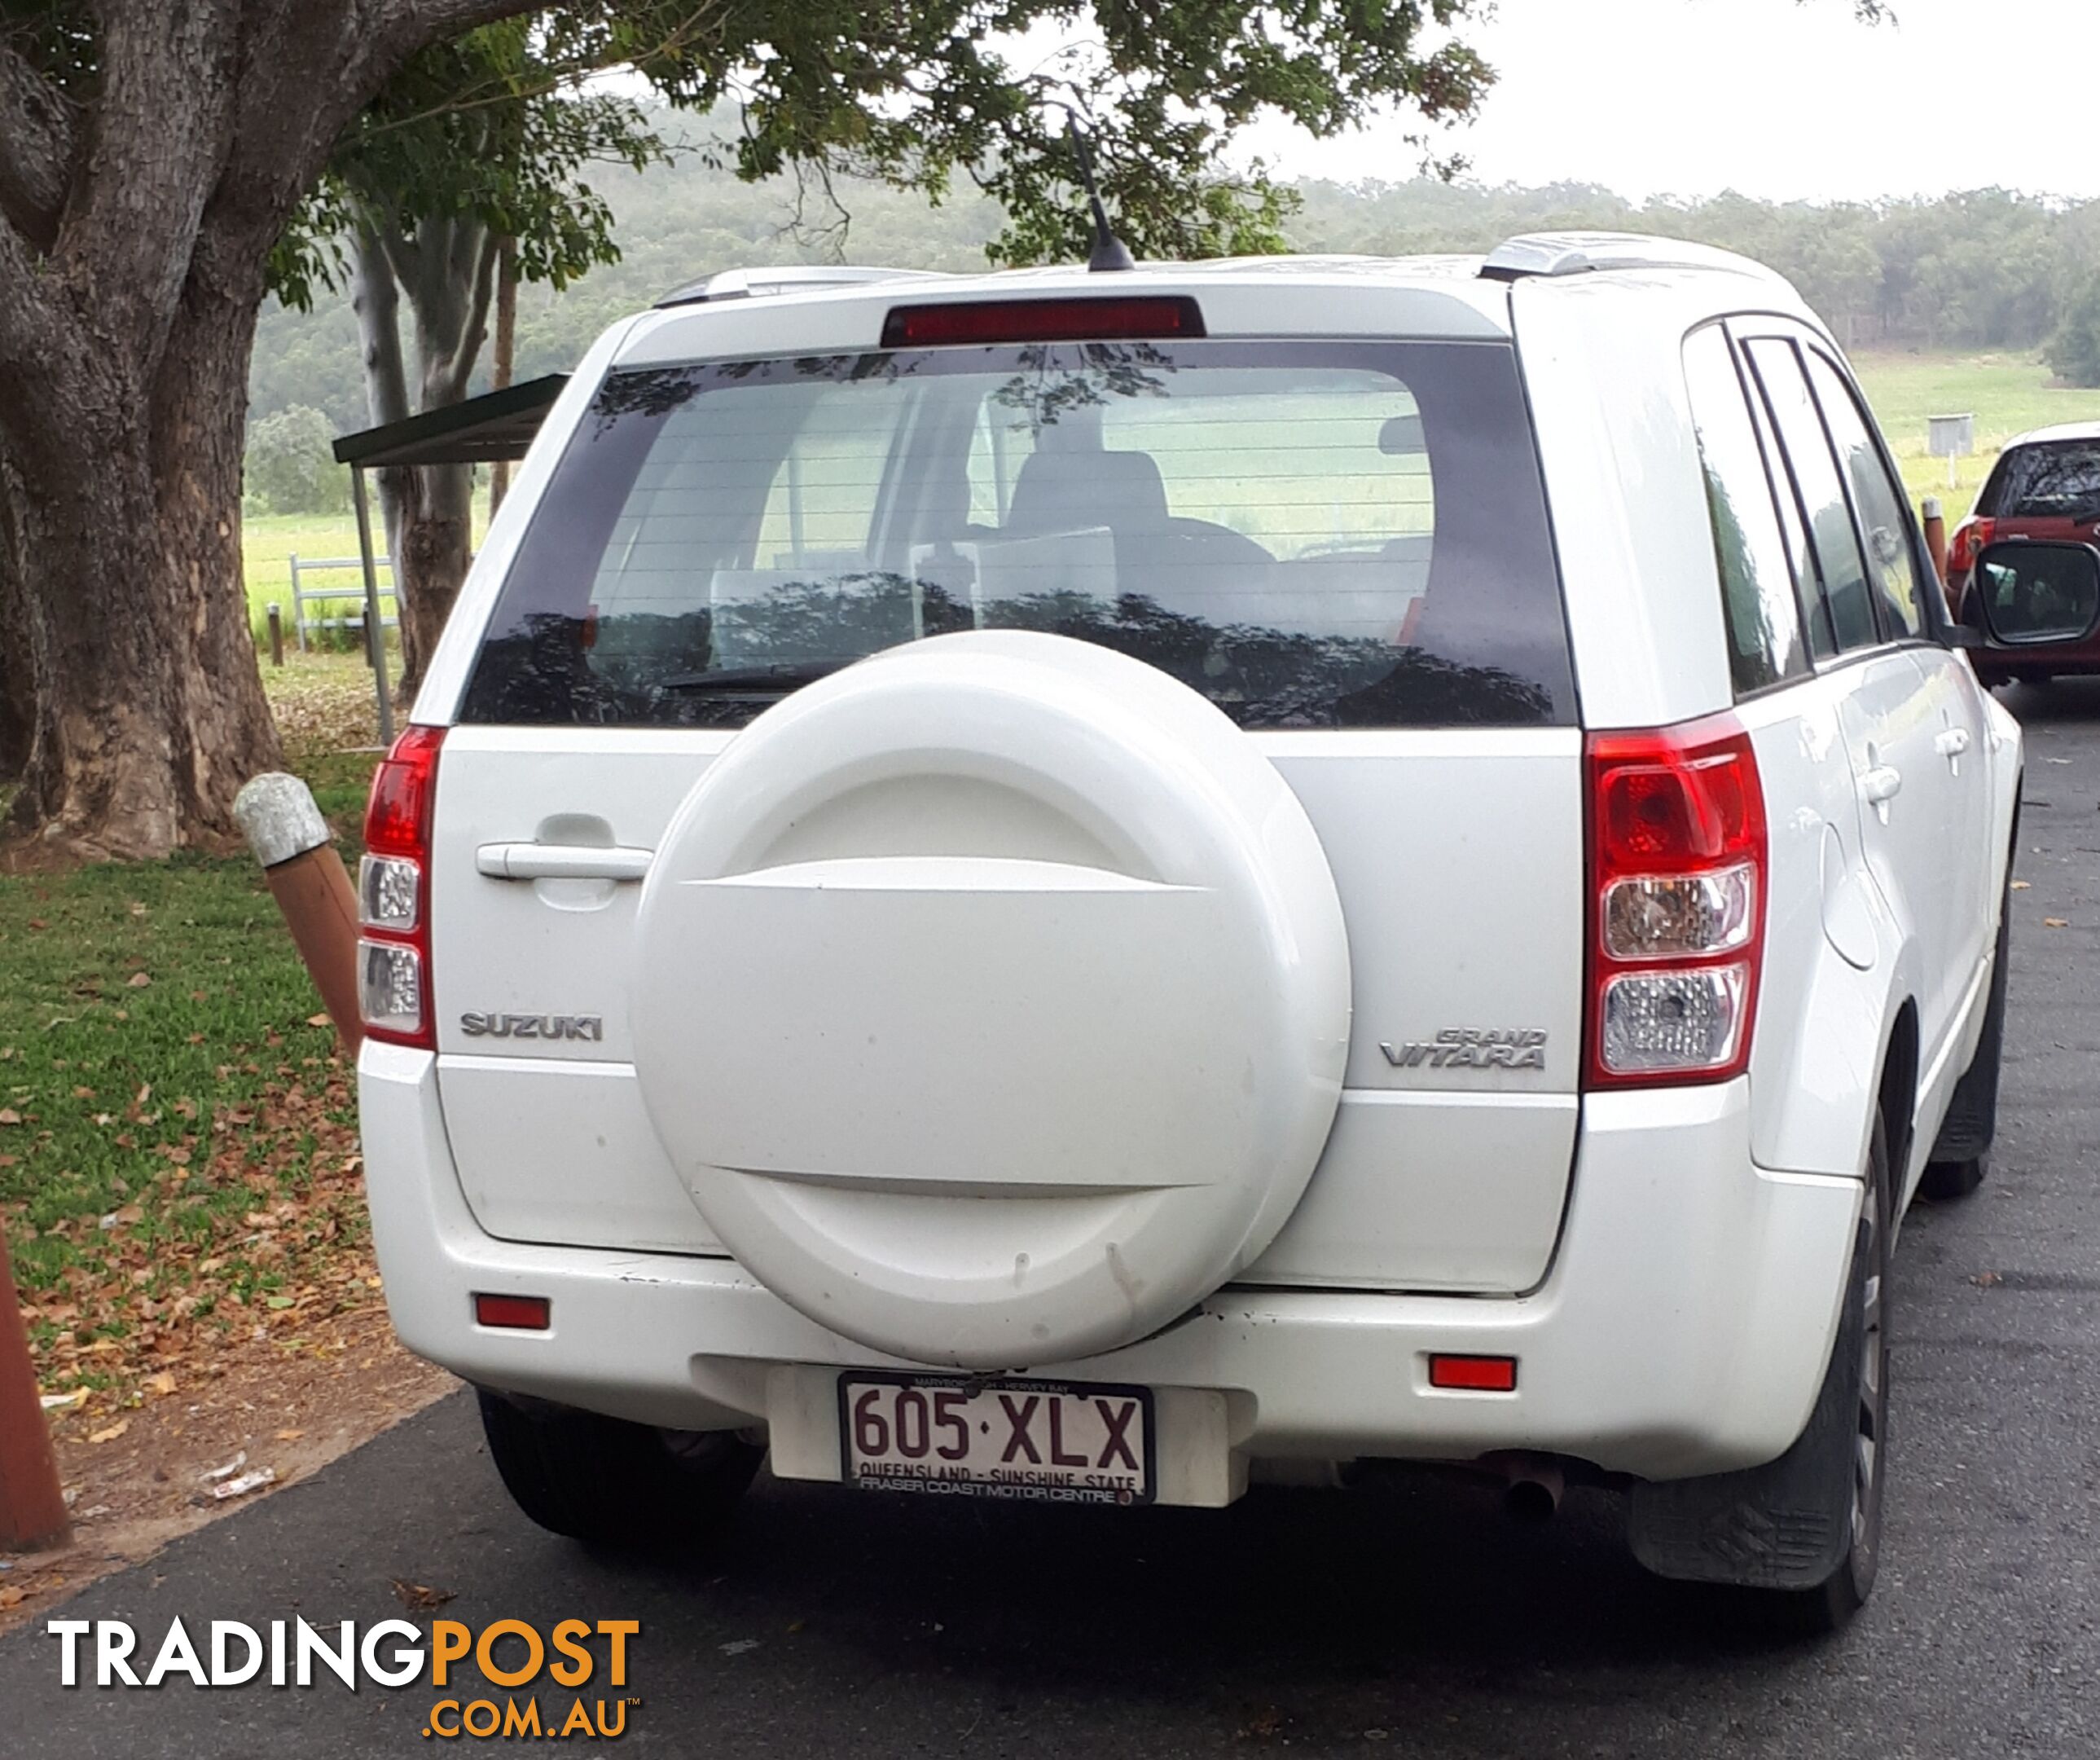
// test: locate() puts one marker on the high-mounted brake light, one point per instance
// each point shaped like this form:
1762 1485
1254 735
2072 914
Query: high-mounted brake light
1134 318
394 886
1967 544
1678 867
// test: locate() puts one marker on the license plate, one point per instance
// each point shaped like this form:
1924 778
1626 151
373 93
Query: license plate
960 1436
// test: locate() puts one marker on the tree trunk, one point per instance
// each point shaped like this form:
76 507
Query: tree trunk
137 212
502 362
17 681
150 712
377 303
437 547
447 271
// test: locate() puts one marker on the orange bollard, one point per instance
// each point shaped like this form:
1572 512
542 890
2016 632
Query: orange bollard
33 1511
292 842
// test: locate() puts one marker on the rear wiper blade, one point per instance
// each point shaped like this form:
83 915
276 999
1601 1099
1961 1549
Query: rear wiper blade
773 680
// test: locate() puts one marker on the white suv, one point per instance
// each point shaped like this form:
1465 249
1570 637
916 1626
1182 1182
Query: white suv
1083 887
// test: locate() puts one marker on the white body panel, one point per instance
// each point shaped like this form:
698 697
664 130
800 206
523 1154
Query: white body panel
1666 1264
1449 1191
1683 1329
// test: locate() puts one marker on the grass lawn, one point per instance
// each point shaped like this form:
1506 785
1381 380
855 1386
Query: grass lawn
269 541
2007 393
178 1148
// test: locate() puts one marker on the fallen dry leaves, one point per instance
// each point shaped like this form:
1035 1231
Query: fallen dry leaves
166 1277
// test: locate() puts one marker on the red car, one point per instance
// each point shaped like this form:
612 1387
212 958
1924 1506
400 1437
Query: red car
2045 485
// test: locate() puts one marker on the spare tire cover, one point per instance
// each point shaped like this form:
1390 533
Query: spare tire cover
992 997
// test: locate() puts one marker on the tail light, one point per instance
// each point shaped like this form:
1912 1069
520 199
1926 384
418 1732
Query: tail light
1967 544
394 894
1678 866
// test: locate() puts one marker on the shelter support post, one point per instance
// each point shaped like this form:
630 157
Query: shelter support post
375 632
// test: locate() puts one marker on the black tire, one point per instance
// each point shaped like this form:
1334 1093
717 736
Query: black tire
1962 1152
1804 1531
610 1483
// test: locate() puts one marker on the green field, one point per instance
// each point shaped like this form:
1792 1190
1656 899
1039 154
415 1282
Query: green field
2008 394
269 541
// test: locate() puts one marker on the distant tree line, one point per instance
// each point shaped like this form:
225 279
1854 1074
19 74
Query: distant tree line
1980 269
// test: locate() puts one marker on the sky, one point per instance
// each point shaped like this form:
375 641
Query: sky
1767 97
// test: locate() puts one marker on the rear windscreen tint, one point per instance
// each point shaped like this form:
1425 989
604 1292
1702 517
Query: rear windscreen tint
1331 534
2054 480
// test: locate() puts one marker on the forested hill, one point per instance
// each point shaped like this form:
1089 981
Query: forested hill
1983 269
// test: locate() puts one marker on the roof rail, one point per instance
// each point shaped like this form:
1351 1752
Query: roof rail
1557 253
753 284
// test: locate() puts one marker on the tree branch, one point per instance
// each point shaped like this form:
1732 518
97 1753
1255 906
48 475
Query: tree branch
477 318
37 140
403 255
164 122
376 304
398 27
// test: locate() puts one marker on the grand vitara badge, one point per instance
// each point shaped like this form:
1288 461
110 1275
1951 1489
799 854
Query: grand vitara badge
533 1026
1472 1048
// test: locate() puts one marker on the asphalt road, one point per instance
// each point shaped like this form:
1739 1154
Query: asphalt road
1417 1622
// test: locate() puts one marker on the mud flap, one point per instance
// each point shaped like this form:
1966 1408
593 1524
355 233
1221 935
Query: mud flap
1971 1123
1784 1525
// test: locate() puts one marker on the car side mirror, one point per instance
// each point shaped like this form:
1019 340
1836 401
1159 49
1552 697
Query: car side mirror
2029 594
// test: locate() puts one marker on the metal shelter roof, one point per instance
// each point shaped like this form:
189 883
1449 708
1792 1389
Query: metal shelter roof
482 430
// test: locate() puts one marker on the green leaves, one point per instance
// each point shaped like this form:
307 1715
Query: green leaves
492 128
919 94
503 123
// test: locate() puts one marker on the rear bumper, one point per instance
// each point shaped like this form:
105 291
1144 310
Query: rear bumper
1683 1329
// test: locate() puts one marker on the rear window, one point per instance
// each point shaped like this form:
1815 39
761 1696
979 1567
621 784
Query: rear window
1335 534
2056 480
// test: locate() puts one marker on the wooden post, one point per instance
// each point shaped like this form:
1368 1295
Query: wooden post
1935 535
33 1511
292 840
277 617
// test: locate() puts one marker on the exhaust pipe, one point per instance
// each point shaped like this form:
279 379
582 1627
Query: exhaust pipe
1533 1485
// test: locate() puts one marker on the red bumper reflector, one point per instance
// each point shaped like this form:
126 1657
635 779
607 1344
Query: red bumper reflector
1088 319
522 1313
1474 1374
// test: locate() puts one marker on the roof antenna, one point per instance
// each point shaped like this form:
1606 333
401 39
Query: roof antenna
1108 251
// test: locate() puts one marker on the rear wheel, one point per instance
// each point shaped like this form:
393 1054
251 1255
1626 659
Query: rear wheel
611 1482
1804 1530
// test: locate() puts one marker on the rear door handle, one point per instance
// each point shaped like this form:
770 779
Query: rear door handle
1951 742
560 861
